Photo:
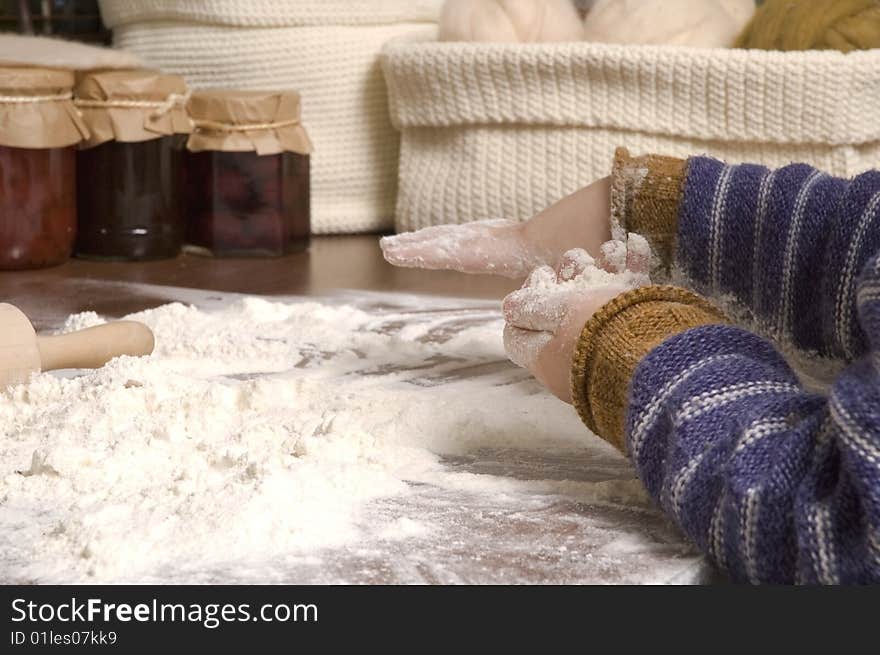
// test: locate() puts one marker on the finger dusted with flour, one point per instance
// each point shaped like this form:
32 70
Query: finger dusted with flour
633 255
494 246
537 305
573 264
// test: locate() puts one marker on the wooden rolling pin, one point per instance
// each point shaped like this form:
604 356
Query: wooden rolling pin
22 352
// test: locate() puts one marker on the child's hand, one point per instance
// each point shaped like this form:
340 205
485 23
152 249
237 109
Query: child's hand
503 247
545 318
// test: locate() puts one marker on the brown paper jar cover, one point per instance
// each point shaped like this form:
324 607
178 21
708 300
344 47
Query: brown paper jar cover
131 106
36 110
265 122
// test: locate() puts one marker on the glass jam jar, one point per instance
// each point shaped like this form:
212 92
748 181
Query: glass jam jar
39 128
130 172
247 174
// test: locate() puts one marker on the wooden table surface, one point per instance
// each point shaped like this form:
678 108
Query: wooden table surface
343 262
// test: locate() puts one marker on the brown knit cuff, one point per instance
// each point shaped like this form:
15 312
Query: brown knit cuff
645 196
615 340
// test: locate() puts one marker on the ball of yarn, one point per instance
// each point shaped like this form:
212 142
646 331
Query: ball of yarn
707 23
843 25
510 20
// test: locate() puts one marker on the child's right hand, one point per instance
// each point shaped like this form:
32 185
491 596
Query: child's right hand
509 248
544 319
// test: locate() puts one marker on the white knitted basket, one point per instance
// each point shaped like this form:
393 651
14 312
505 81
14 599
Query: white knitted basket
499 130
328 50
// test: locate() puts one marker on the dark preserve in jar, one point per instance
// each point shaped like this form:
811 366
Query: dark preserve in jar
130 172
130 200
38 129
247 174
245 204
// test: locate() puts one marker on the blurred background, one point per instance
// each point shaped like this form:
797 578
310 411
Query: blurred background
72 19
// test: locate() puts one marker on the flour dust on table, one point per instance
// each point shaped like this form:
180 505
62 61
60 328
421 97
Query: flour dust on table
307 442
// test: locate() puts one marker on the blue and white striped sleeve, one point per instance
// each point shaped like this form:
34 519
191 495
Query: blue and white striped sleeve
773 483
786 244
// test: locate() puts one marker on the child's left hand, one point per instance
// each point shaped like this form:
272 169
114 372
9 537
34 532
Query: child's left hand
545 318
505 247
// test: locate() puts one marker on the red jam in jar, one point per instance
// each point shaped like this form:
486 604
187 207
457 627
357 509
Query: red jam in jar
37 206
247 175
38 129
130 170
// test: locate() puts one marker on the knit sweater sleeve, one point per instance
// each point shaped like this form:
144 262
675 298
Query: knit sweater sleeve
613 342
786 245
775 484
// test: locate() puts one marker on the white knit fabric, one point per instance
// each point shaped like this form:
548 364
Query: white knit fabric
271 13
500 130
329 53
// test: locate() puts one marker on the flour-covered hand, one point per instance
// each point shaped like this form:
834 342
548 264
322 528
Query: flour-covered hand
505 247
544 318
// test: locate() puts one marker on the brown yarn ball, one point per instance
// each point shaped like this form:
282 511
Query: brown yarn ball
843 25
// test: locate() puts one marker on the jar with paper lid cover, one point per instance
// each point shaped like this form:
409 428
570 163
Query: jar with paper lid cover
39 129
129 170
247 172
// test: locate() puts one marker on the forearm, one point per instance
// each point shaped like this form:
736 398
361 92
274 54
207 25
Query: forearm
579 220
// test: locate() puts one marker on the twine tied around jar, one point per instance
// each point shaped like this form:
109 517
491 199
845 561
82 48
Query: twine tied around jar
265 122
23 100
132 106
160 107
246 127
36 108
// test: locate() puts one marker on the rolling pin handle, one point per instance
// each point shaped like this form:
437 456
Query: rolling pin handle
94 347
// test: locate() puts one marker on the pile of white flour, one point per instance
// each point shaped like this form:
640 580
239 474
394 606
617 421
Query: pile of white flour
257 431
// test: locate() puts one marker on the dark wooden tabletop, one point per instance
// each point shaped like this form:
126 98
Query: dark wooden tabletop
332 263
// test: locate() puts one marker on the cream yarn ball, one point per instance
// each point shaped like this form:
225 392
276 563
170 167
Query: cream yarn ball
510 20
702 23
